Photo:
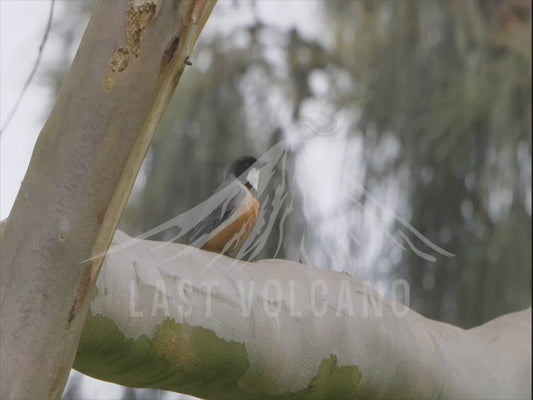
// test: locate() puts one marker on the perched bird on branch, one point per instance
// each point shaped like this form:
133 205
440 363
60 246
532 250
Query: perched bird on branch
226 228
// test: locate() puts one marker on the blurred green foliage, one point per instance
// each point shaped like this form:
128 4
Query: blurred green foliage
438 98
452 82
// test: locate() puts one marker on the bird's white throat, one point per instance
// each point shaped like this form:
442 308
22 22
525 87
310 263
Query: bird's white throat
253 177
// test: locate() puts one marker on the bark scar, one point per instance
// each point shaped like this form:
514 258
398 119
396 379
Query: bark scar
83 289
138 17
137 20
197 10
168 55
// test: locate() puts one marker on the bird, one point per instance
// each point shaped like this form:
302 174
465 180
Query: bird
225 229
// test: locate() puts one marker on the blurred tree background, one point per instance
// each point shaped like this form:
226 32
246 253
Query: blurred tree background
393 114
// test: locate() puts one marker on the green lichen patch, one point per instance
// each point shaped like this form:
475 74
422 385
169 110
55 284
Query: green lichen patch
332 382
106 354
193 360
179 357
200 352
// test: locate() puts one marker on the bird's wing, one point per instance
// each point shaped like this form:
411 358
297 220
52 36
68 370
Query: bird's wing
215 218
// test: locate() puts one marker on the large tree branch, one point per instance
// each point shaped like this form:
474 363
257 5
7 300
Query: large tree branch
172 317
80 175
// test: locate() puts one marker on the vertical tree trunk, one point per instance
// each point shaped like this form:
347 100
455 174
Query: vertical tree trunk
80 175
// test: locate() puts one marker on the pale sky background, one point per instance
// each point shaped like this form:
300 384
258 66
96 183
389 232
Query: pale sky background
22 24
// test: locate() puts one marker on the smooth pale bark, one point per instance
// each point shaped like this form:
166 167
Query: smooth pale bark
171 317
80 175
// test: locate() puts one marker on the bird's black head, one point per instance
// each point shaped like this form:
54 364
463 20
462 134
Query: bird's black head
240 165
